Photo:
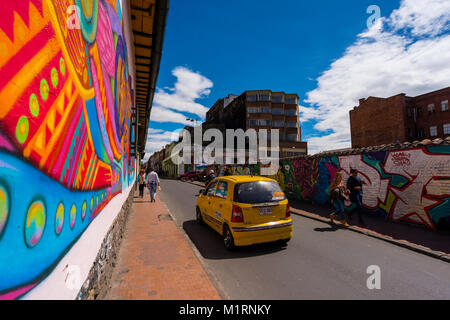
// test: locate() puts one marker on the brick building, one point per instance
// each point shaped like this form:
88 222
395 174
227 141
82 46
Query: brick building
261 109
400 118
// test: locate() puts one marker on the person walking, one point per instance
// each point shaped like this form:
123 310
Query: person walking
152 184
211 176
338 194
141 184
227 171
354 184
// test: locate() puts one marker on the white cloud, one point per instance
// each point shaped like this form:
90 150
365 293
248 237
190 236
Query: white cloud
157 139
161 114
385 60
169 103
422 17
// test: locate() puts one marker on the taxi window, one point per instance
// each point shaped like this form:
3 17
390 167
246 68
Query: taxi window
211 189
222 189
258 192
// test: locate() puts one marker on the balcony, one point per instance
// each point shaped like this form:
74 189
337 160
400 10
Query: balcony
291 124
292 112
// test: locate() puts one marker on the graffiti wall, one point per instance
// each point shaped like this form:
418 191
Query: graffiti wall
65 107
408 184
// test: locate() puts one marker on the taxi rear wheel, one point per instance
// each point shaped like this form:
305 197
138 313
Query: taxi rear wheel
199 216
228 240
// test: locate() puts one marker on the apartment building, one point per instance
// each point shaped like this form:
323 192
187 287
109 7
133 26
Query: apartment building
261 109
400 118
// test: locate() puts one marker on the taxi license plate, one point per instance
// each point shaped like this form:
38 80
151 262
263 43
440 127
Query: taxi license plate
265 211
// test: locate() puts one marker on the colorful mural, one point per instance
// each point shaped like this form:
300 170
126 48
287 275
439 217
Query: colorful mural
409 184
65 108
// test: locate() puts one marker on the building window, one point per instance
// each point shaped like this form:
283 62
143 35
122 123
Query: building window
410 135
278 123
291 137
290 112
409 112
291 124
251 97
259 122
419 111
278 111
420 133
447 128
264 97
433 131
258 110
277 99
444 105
431 108
291 100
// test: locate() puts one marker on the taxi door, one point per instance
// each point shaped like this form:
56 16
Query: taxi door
222 205
207 204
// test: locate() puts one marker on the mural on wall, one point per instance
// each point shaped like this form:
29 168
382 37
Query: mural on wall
245 170
65 107
408 184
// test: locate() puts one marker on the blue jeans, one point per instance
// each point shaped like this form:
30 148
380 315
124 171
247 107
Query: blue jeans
339 205
357 200
152 188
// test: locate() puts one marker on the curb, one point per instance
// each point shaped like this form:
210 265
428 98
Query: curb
402 243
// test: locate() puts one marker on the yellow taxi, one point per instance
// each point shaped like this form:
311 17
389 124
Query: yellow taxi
245 210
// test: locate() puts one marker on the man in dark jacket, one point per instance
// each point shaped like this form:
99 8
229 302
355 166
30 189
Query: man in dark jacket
354 184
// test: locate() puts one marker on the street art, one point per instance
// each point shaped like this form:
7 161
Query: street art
65 108
409 184
245 170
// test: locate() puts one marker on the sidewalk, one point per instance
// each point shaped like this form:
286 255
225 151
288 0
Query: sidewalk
155 262
414 237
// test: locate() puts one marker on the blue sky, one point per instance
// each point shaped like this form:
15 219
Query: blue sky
323 51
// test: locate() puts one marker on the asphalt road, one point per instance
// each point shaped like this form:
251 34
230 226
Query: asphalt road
319 262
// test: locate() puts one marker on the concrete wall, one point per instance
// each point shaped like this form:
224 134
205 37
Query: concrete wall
65 167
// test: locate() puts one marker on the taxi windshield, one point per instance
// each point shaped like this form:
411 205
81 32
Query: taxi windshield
258 192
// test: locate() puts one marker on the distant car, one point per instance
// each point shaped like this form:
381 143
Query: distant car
245 210
190 176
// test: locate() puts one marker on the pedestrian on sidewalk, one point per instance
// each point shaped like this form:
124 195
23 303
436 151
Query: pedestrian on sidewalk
338 194
152 184
354 184
141 184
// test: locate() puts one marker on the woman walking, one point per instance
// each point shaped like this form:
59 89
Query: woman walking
141 184
338 194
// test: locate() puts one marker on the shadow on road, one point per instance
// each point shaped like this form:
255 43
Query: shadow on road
329 229
209 244
414 233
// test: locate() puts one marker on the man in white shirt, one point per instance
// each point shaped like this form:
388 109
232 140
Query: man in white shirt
152 184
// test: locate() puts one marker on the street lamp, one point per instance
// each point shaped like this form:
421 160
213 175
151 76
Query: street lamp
192 120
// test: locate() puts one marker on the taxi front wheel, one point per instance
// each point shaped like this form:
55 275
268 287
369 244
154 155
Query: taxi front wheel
228 240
